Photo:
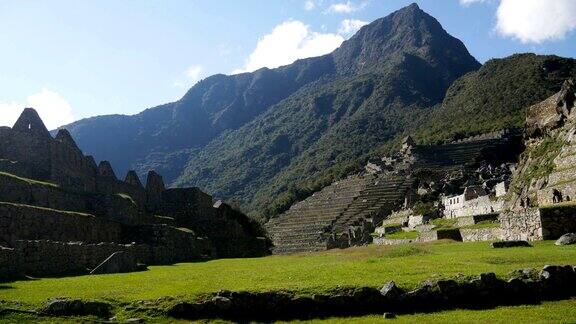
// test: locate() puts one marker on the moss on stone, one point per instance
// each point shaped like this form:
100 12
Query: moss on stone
30 181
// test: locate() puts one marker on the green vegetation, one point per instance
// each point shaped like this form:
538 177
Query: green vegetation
483 224
548 312
541 161
402 235
127 197
424 208
444 223
29 181
65 212
566 205
304 273
496 96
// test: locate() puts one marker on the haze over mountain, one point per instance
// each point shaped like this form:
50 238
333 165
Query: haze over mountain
261 137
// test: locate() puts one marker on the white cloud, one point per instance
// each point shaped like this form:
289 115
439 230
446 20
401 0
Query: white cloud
350 26
192 75
469 2
194 72
346 7
54 110
309 5
289 41
536 21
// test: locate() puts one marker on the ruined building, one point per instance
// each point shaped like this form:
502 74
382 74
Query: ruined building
347 212
541 204
60 212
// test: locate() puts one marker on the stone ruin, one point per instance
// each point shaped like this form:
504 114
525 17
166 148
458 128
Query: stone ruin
530 200
347 212
540 205
61 213
463 182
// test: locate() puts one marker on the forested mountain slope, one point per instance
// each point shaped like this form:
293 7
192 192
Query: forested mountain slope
273 136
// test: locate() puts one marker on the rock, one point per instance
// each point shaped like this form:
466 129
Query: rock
389 315
135 320
524 274
509 244
222 303
566 239
77 307
558 273
391 291
118 262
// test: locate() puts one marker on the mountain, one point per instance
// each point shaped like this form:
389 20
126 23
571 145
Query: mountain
254 136
496 96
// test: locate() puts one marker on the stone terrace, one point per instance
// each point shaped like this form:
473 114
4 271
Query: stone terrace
337 215
345 213
52 196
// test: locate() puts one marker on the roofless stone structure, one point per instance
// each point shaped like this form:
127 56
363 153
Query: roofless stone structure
60 213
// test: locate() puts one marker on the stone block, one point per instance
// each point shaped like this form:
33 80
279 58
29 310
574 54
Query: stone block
118 262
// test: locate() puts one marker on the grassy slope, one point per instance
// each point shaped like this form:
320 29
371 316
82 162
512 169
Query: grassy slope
550 312
305 273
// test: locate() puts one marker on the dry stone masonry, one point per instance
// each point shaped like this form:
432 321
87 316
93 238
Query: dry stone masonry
61 213
347 212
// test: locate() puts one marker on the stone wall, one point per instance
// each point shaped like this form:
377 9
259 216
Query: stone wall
521 225
481 234
472 220
119 207
547 223
170 244
232 233
53 258
48 258
557 221
479 206
9 267
435 235
19 222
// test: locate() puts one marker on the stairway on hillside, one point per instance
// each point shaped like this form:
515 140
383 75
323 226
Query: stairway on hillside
337 211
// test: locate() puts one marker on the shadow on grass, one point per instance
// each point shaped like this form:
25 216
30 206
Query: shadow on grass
4 287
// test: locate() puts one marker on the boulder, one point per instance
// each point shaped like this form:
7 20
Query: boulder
118 262
77 307
566 239
390 291
509 244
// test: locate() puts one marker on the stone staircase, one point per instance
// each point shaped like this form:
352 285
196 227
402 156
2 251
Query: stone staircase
457 155
337 215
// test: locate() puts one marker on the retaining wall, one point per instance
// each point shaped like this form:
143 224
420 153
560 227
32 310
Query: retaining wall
21 222
481 234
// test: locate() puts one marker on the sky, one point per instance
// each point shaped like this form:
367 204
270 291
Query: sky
76 59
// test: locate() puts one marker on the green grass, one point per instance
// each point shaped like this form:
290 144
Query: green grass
29 181
66 212
483 224
402 235
563 205
127 197
303 273
444 223
548 312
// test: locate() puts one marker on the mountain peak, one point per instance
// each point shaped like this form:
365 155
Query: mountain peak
407 31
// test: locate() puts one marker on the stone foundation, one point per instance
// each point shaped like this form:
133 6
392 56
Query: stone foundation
435 235
548 223
472 220
21 222
481 234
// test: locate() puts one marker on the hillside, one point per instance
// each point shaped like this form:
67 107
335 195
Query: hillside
496 96
236 135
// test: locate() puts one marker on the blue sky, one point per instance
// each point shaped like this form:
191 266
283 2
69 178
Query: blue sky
76 59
